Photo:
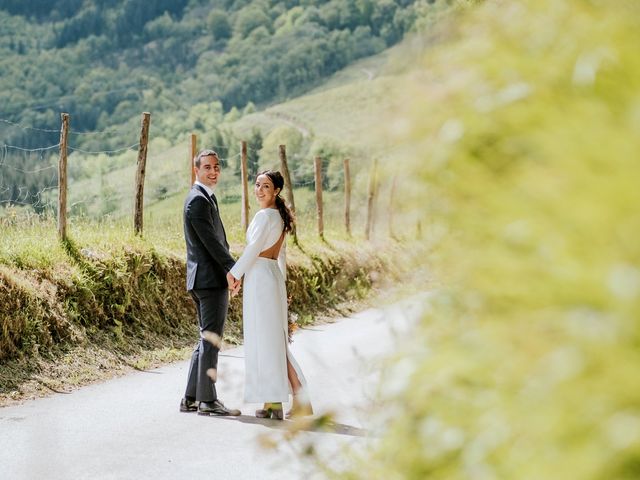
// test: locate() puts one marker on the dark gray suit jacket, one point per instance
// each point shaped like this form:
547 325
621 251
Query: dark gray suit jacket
208 257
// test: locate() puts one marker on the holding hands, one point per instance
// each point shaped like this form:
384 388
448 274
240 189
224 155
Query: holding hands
234 284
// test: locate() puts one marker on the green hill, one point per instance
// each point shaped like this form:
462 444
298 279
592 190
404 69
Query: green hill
196 65
106 61
336 121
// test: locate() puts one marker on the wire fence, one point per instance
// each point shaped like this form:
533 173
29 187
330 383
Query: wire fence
101 186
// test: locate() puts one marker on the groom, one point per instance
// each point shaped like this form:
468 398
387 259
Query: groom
208 282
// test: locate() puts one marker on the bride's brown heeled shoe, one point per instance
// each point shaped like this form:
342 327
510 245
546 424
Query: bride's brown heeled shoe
299 408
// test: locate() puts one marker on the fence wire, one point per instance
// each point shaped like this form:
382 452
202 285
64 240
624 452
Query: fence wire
97 188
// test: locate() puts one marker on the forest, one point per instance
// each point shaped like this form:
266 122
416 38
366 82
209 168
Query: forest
106 61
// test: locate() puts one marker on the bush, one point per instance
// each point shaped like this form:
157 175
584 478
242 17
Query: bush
526 130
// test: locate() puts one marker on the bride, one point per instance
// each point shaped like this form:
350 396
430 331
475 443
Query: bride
271 372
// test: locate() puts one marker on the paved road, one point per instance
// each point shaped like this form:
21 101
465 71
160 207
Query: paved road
130 427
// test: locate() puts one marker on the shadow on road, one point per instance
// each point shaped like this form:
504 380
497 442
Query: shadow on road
321 424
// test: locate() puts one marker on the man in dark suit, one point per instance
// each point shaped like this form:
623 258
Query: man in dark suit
208 282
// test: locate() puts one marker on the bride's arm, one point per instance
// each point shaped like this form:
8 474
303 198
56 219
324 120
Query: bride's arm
256 238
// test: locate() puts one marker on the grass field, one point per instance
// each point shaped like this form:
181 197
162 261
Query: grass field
340 118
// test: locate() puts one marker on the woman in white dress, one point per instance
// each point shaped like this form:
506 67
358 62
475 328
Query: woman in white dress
271 372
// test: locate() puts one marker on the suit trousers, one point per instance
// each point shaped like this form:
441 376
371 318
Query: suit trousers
212 305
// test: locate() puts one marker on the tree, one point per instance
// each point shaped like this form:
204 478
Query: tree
250 18
219 26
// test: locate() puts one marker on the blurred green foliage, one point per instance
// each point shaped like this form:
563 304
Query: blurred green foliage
524 129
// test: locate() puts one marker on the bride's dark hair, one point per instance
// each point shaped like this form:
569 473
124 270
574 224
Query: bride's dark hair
278 182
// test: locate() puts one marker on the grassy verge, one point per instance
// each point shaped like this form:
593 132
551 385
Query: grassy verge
106 302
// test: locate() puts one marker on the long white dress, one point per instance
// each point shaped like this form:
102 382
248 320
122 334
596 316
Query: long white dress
264 312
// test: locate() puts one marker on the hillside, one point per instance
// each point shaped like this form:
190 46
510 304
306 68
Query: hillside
104 62
339 119
195 65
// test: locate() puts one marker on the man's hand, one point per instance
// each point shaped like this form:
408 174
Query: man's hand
233 284
236 289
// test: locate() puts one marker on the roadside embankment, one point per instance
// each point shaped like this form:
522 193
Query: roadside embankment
92 313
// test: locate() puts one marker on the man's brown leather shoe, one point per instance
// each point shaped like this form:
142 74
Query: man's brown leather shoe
217 408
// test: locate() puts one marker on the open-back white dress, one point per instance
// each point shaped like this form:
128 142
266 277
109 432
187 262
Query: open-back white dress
264 312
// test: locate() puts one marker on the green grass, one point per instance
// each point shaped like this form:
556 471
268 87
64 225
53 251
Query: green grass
166 216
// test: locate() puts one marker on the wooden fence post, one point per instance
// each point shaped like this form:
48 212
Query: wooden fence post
347 196
142 165
392 195
244 215
370 201
318 180
284 166
193 151
62 177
